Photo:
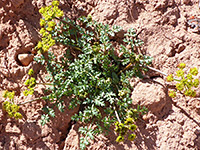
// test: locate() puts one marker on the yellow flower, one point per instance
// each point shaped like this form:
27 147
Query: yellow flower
51 24
170 78
132 127
194 71
131 137
42 31
10 114
31 91
42 10
49 29
6 105
196 83
55 3
14 108
190 92
5 94
30 72
59 13
39 45
10 95
42 22
172 94
180 73
25 92
180 86
120 139
129 121
189 76
18 115
181 65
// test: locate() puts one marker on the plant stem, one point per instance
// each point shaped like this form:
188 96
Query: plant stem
29 101
66 22
154 69
128 66
45 83
151 68
117 115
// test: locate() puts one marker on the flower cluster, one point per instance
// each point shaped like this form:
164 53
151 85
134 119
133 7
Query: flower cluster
122 129
10 95
47 23
11 108
30 83
186 83
128 125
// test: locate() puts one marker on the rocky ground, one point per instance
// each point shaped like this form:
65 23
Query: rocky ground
171 124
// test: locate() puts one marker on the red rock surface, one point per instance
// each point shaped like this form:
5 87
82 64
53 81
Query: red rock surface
170 124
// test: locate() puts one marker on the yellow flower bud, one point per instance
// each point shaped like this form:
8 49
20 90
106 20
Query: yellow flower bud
133 127
55 3
181 65
131 137
39 45
42 22
194 71
172 94
180 73
196 83
120 139
170 78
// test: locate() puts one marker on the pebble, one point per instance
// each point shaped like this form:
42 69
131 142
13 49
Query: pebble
25 59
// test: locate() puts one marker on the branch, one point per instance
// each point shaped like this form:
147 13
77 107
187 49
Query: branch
29 101
117 115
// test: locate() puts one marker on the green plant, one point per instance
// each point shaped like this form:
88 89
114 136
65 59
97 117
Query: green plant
89 72
187 83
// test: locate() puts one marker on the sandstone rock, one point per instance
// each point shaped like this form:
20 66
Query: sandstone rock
173 20
149 94
31 130
161 4
72 137
9 128
169 49
17 3
186 2
1 34
25 59
181 48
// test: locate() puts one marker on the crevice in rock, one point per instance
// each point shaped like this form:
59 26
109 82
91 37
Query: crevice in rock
155 76
185 113
64 135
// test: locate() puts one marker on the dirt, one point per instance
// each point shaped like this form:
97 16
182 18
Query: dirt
169 124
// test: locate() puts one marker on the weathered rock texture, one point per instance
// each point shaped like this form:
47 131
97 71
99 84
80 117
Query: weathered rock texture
170 124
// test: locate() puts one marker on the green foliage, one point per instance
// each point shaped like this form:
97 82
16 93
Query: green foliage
187 83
